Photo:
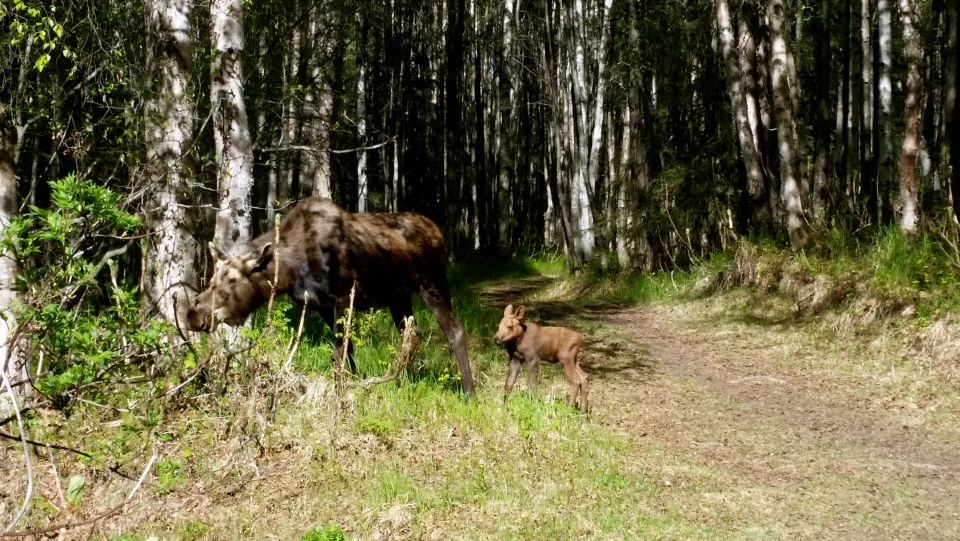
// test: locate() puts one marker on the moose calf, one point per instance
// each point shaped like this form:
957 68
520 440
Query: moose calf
529 343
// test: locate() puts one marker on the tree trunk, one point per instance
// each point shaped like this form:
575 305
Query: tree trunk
362 185
821 120
231 133
749 155
786 139
504 137
171 264
8 265
951 104
317 107
908 204
885 153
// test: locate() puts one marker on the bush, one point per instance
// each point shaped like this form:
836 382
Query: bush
80 312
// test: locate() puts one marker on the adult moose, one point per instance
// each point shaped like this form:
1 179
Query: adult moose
322 250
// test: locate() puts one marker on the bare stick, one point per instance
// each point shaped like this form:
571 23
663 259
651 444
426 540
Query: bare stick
26 448
346 332
276 268
313 150
296 340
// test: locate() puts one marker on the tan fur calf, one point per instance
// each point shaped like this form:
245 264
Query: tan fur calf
528 344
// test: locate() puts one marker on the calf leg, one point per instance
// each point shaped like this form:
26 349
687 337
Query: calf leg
511 377
437 298
533 372
570 369
584 390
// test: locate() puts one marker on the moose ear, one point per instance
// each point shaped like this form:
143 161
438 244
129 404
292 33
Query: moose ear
215 252
520 311
257 262
508 311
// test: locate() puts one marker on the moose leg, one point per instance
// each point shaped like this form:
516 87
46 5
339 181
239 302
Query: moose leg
438 300
511 377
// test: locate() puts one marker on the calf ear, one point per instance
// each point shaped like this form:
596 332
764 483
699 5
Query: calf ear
257 262
508 311
520 311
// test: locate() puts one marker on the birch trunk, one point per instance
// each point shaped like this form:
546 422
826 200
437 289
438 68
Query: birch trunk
786 138
749 154
885 96
585 137
907 204
169 215
8 265
361 115
951 105
821 123
505 136
231 132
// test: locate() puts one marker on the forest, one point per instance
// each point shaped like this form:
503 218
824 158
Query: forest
798 161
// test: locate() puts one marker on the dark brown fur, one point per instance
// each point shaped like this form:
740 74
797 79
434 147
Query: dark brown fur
529 343
322 250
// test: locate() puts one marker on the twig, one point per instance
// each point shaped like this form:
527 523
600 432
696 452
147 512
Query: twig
346 332
112 469
296 340
276 268
26 450
313 150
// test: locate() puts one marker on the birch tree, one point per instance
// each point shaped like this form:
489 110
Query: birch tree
171 253
786 138
8 265
231 132
907 204
361 113
885 152
749 153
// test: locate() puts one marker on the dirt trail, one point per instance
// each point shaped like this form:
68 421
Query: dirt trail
748 438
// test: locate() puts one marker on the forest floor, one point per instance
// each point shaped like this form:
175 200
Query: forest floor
762 425
725 417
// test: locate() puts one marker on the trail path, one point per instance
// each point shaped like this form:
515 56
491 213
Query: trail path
756 430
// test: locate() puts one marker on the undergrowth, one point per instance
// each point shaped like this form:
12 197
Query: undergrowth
882 274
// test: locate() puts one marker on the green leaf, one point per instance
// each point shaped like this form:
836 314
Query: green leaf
74 489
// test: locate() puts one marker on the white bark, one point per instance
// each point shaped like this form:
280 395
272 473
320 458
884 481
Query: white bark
746 133
505 135
171 255
231 131
8 265
907 204
585 138
786 137
885 152
361 123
